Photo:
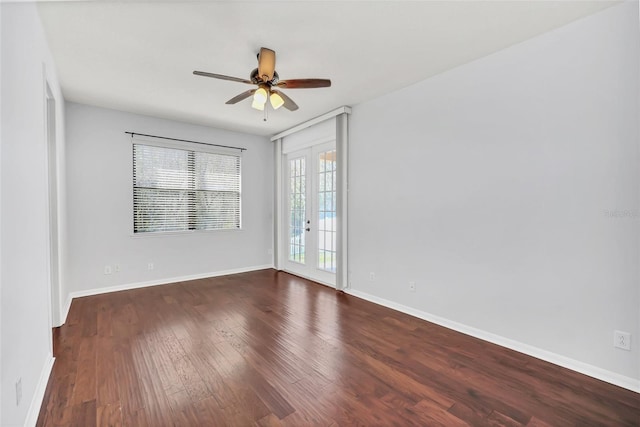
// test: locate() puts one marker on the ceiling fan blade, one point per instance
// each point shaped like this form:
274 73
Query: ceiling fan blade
288 102
243 95
266 63
222 77
304 83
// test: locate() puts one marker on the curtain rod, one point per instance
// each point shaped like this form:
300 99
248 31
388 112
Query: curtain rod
186 140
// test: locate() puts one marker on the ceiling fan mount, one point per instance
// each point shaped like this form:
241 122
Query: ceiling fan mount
255 78
267 80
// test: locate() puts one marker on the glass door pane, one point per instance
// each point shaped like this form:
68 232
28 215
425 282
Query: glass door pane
327 211
297 209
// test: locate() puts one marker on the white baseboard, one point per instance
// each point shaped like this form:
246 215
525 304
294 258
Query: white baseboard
575 365
38 395
155 282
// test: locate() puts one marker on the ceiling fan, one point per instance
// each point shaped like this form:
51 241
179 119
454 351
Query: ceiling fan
267 80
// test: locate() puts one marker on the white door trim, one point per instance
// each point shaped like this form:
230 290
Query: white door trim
53 208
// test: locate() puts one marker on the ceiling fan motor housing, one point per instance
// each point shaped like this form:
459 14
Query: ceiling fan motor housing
256 79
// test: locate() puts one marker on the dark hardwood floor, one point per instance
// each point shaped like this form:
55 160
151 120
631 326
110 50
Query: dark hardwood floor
269 349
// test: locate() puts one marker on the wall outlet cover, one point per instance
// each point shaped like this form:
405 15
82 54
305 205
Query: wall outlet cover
622 340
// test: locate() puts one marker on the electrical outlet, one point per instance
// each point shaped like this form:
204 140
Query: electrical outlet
412 286
372 276
107 269
18 391
116 268
150 266
622 340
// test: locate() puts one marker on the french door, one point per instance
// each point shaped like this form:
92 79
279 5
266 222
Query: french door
310 213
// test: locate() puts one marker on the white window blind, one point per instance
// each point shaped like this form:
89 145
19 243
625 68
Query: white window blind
176 189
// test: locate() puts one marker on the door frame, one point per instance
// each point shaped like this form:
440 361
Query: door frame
50 133
341 116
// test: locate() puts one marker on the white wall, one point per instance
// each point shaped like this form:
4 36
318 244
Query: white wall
508 190
1 382
24 248
99 173
319 133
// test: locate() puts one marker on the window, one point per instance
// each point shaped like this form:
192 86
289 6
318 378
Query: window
177 189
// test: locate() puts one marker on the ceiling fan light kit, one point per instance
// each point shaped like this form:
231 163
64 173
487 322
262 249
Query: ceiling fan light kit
276 100
266 78
260 97
257 105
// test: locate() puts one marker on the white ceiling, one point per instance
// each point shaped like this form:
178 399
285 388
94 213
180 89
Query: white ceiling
139 56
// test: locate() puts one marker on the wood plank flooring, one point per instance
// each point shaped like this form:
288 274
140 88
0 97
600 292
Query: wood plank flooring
270 349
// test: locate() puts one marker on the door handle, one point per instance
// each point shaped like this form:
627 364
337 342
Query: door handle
308 228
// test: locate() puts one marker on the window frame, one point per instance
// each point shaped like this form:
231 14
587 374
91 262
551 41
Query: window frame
187 146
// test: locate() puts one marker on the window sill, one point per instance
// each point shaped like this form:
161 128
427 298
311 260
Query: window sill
181 233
